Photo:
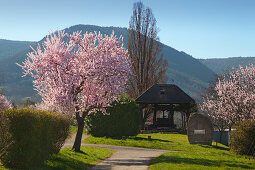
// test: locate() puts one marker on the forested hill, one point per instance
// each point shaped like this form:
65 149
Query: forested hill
9 47
184 70
222 65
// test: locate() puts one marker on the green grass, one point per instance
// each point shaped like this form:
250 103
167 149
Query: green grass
173 142
68 159
186 156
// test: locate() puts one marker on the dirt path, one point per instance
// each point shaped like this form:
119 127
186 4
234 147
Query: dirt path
125 158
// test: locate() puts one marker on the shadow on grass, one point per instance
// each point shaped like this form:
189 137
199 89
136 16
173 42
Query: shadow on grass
215 147
140 139
221 148
159 140
81 152
63 161
200 161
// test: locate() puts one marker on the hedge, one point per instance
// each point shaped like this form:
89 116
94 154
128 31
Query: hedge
5 137
122 119
242 140
36 135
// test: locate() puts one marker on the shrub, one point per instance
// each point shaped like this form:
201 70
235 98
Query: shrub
36 134
122 119
5 137
242 139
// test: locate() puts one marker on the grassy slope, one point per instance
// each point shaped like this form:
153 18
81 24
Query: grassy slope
67 159
187 157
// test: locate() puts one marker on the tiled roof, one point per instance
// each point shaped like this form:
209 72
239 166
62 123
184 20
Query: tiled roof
164 94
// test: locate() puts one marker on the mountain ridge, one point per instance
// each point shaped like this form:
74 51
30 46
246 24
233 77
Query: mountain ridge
224 65
11 47
183 70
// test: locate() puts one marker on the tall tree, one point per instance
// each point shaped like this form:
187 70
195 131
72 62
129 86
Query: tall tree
144 48
80 75
234 98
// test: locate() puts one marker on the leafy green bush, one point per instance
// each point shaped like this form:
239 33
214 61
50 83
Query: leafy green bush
5 136
122 119
242 139
36 134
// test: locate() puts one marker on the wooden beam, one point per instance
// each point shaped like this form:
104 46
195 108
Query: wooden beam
155 115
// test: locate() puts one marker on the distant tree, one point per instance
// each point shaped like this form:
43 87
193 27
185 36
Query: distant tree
211 93
233 99
4 103
27 102
144 48
80 75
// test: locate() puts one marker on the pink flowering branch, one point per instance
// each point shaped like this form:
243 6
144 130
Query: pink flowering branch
4 103
235 99
83 73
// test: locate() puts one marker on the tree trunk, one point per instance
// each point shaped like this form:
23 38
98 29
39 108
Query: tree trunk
78 138
221 132
229 131
143 124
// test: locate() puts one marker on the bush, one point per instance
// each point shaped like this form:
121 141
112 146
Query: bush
36 135
122 119
242 139
5 137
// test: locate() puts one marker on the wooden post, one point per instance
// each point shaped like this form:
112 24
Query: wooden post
142 124
149 138
155 115
171 116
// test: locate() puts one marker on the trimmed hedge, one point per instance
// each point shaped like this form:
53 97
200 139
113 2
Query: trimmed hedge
36 135
122 119
242 140
5 137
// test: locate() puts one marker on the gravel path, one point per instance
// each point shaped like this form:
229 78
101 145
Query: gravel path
125 158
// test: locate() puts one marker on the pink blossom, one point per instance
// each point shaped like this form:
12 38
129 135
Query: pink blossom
84 72
236 99
4 103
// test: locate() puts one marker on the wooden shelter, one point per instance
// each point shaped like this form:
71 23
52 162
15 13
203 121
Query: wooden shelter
166 98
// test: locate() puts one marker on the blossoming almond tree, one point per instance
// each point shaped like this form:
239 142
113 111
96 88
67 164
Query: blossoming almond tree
4 103
235 99
78 75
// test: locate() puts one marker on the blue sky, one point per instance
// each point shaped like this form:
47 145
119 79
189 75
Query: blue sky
201 28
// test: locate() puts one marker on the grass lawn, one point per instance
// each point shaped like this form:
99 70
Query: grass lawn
187 157
67 159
